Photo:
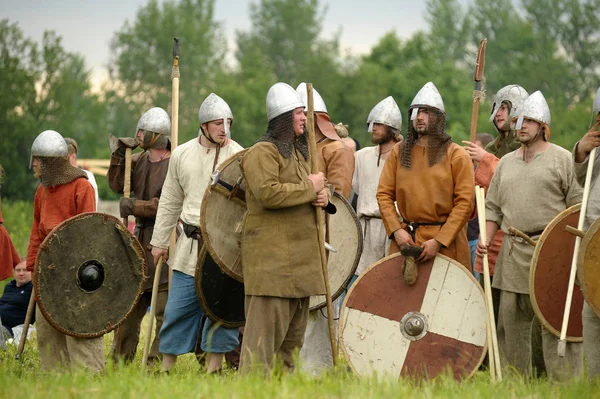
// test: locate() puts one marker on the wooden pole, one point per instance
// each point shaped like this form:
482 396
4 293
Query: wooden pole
562 342
175 75
152 312
127 183
493 351
28 317
479 92
312 149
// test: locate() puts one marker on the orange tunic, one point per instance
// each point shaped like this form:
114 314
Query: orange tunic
9 257
483 176
336 161
443 192
53 205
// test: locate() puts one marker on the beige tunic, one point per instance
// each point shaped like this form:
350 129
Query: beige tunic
364 183
280 247
528 196
188 177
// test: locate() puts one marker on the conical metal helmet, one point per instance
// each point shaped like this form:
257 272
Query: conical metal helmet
318 102
214 107
514 94
387 113
155 120
282 98
49 143
535 107
428 96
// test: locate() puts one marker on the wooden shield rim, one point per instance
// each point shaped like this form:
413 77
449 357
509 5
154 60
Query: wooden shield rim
533 267
203 303
359 248
203 231
341 321
585 241
137 247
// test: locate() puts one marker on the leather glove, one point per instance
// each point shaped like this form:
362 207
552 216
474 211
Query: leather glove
118 145
126 207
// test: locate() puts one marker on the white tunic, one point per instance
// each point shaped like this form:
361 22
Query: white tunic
190 168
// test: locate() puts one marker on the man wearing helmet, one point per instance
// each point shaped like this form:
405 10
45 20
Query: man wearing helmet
280 247
581 152
385 124
430 179
188 176
63 193
148 172
509 202
507 103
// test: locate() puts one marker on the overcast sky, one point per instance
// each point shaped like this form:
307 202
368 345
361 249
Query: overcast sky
88 25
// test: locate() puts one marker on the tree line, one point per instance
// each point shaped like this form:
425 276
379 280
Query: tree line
547 45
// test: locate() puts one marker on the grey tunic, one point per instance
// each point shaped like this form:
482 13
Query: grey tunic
528 196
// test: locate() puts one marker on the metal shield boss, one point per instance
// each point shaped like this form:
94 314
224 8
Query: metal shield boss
343 233
438 325
219 271
588 266
89 274
549 276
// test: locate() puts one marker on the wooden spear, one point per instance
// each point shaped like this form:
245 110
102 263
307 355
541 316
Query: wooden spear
174 131
312 150
152 313
479 92
28 317
562 342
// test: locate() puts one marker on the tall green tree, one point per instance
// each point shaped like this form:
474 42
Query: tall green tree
43 87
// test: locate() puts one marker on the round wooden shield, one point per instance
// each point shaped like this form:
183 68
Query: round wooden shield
345 235
549 276
221 296
89 274
221 216
437 325
588 266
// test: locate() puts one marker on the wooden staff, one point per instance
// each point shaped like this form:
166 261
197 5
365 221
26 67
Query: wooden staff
28 317
127 184
152 312
175 75
562 342
493 352
312 150
479 92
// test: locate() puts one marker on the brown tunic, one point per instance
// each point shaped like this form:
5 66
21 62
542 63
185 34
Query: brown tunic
147 179
336 161
280 249
443 192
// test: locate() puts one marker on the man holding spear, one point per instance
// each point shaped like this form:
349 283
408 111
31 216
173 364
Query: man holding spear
581 159
280 248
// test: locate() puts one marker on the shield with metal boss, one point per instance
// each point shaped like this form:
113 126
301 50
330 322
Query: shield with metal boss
437 325
89 274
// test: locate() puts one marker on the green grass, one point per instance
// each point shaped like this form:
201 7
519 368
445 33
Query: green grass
25 379
18 217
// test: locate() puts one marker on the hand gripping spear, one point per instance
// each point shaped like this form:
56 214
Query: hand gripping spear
479 92
174 132
312 150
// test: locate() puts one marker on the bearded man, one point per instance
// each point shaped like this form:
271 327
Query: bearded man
528 206
280 246
148 173
581 158
64 192
385 124
430 179
188 176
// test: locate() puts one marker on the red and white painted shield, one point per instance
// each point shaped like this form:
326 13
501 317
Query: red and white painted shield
437 325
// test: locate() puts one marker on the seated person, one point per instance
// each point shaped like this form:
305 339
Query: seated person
14 301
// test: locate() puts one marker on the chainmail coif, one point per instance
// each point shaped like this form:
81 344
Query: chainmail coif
280 133
58 170
437 142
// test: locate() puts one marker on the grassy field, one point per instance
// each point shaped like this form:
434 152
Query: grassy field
25 379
